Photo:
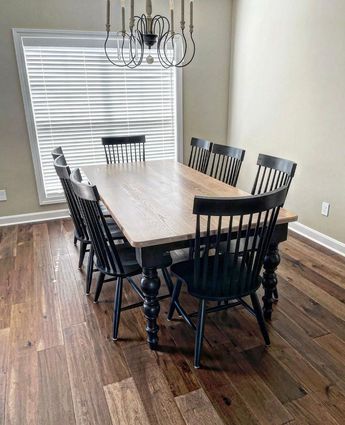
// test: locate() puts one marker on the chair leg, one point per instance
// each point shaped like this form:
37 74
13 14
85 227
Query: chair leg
117 307
199 336
83 246
260 318
174 298
168 280
191 253
100 282
89 273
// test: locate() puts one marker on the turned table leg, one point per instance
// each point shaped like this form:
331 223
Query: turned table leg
271 263
150 284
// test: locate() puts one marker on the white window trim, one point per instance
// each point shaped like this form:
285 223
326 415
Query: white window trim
18 34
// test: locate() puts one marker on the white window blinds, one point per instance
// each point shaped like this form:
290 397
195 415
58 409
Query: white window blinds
76 97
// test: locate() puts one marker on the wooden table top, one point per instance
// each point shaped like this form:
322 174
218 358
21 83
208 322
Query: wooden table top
152 201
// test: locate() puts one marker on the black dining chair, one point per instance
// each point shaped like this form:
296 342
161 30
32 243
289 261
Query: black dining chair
115 260
272 174
227 275
80 233
226 163
56 152
124 149
200 154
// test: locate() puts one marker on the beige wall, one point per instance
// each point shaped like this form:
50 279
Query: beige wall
288 99
206 82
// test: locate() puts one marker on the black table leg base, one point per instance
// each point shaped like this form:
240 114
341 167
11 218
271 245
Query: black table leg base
271 263
150 284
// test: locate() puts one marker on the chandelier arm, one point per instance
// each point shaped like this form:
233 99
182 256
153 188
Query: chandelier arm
162 41
185 48
134 57
193 53
107 55
122 50
161 23
135 62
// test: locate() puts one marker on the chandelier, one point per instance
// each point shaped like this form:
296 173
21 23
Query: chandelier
147 31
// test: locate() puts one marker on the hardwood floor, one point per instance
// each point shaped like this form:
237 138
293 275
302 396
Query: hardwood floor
58 364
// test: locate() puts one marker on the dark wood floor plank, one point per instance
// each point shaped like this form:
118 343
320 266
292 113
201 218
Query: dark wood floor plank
55 405
334 346
331 268
6 268
152 386
8 241
22 289
111 362
125 404
334 401
296 364
281 383
314 354
311 327
49 319
321 280
171 361
313 309
57 239
24 330
89 401
4 367
308 410
22 389
293 276
197 409
70 293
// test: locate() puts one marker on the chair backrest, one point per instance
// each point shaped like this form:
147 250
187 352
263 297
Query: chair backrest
200 154
272 173
107 256
63 171
226 163
56 152
124 149
246 222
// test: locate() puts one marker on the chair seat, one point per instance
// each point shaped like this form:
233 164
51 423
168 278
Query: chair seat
129 262
104 210
116 233
221 288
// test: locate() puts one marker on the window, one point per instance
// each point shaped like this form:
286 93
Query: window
73 96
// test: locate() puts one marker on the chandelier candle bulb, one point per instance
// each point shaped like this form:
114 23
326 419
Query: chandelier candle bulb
131 24
191 15
123 19
172 20
108 16
182 14
149 7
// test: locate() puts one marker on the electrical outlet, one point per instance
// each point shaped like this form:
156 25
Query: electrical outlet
3 196
325 209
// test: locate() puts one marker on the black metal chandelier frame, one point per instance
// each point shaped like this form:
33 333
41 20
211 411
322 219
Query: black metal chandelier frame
146 31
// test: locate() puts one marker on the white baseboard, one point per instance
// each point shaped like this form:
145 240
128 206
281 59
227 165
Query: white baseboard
33 217
318 237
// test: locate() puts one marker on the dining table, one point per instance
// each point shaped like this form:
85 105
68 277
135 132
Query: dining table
152 203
